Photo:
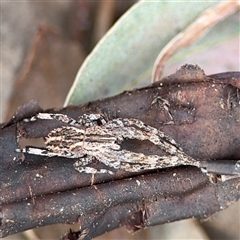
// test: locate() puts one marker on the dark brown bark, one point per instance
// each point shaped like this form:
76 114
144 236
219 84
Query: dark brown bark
204 113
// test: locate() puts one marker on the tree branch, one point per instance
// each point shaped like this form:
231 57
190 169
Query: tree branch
202 114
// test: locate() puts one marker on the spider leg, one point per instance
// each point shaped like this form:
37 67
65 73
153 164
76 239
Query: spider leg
56 116
139 125
91 170
136 129
90 120
85 120
80 166
45 152
120 159
149 164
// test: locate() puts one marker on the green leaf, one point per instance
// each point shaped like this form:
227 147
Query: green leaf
124 57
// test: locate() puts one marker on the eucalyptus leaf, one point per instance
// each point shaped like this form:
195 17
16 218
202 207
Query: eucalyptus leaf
124 57
222 32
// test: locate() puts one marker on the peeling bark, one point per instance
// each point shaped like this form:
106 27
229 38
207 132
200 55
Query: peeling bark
202 114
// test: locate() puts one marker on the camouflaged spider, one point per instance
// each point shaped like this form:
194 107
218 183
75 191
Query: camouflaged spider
92 137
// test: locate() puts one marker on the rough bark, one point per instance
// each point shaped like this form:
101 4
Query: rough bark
203 116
